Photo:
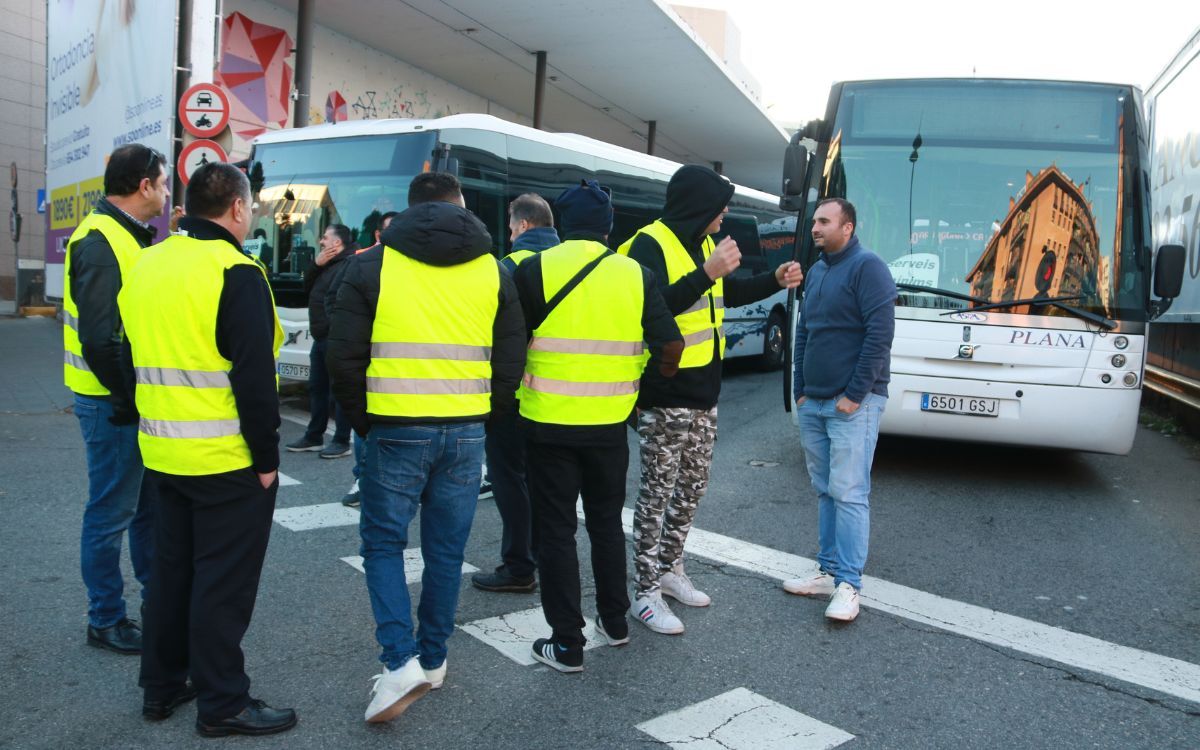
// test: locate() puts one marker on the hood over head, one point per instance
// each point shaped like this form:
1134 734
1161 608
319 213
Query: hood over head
695 196
437 233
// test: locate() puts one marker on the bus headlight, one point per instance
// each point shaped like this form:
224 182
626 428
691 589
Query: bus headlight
1120 342
1130 379
1118 360
1106 378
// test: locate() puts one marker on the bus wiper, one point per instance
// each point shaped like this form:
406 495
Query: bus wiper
1058 302
943 293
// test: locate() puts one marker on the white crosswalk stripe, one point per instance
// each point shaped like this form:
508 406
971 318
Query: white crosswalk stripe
513 634
323 516
742 720
414 565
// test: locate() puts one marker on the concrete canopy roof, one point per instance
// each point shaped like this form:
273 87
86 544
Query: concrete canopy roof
611 67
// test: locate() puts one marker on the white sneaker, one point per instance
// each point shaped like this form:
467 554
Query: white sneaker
820 584
395 690
654 613
679 587
435 676
843 605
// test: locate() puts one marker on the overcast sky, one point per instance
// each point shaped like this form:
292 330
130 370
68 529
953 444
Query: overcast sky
797 49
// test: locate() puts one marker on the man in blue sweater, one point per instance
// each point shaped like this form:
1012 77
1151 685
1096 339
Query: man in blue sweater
842 368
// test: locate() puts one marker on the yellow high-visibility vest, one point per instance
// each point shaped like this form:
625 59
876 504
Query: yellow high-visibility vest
76 373
189 420
520 256
585 361
431 343
703 320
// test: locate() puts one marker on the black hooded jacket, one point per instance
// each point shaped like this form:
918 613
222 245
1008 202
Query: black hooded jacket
439 234
318 280
95 282
695 196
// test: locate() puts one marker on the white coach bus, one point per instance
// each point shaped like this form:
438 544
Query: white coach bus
1015 218
354 172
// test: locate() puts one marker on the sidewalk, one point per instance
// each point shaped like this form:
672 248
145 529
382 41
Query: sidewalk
31 370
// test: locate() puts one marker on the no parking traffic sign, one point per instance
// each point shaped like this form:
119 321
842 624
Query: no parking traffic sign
195 155
204 110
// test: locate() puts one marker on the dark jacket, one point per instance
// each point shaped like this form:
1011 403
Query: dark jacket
848 318
246 336
440 234
695 196
535 240
659 331
95 282
317 281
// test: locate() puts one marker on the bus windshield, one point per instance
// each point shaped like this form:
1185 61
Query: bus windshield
304 186
994 191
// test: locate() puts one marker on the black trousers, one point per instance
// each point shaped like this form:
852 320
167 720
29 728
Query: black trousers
558 474
210 540
506 469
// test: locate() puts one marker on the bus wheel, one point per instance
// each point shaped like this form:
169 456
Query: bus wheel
774 339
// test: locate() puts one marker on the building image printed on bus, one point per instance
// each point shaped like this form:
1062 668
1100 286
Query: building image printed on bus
1014 217
354 172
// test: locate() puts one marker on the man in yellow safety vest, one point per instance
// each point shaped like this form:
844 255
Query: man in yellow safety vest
204 335
99 255
588 311
426 344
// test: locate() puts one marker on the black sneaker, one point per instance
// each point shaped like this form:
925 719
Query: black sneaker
304 445
485 490
615 635
558 656
503 581
336 450
352 498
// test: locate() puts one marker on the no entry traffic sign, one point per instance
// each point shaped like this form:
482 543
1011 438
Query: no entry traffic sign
204 110
195 155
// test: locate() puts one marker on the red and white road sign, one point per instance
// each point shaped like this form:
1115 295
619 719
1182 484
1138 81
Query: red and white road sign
195 155
204 110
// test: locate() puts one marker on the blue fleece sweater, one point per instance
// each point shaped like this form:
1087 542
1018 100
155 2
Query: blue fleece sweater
848 317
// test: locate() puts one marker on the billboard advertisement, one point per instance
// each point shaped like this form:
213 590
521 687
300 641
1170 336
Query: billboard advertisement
110 81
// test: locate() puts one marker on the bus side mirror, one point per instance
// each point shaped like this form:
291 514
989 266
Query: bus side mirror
1168 277
795 177
1168 271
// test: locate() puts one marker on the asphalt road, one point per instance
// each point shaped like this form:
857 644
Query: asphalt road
1098 546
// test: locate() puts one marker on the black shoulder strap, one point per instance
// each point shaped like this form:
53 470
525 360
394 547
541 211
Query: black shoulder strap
569 287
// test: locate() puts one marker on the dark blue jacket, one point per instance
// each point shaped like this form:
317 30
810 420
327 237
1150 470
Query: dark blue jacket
536 239
848 317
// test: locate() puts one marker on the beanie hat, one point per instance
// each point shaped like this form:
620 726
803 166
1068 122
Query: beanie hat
586 208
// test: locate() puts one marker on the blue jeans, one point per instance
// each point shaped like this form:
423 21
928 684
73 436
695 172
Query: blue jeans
321 400
435 467
838 449
115 504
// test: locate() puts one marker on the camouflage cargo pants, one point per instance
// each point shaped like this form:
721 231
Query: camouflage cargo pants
676 451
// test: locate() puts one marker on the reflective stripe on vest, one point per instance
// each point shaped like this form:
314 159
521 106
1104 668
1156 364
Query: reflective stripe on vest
708 313
76 374
431 342
585 361
166 428
189 419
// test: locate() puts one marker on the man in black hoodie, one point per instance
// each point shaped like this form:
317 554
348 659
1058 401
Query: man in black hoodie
426 342
335 249
677 424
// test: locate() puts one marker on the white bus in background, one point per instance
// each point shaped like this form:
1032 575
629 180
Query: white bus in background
1173 110
354 172
1014 216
